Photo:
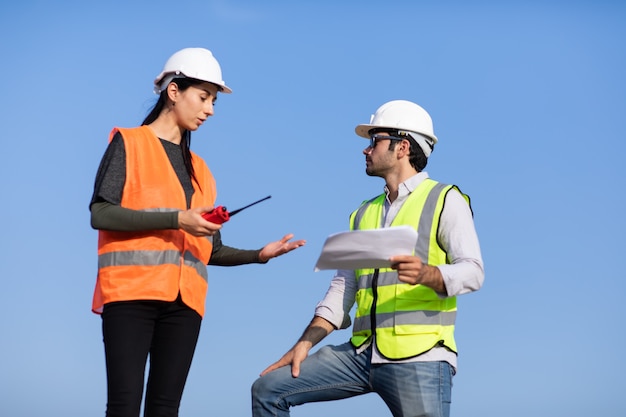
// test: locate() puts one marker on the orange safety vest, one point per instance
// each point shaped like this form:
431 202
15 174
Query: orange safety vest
154 264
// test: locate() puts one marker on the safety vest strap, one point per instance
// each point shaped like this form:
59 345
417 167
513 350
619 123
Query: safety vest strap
357 216
427 221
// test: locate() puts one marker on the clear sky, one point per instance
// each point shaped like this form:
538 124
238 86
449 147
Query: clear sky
528 100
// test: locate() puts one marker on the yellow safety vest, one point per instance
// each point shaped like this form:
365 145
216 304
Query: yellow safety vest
409 319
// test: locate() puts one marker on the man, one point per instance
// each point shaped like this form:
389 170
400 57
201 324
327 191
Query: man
402 346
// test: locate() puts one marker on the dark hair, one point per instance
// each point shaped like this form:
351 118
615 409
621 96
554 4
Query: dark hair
417 158
185 142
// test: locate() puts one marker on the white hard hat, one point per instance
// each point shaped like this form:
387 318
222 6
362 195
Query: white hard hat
198 63
406 117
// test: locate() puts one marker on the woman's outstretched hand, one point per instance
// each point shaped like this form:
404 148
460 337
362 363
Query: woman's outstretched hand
280 247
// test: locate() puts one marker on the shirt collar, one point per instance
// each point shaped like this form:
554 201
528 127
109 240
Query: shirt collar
407 187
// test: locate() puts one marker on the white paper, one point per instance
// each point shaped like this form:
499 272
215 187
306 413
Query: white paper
366 248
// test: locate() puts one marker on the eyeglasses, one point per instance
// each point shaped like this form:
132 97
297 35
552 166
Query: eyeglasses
374 139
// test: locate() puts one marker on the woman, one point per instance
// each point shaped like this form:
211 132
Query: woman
154 245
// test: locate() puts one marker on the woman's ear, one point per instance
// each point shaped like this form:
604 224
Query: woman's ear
172 92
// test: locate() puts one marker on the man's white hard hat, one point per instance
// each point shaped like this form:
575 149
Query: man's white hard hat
198 63
404 116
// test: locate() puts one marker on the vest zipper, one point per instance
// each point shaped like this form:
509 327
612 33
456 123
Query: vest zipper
373 309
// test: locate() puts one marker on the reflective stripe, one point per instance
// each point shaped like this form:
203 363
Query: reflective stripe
139 257
384 279
196 264
151 258
361 211
159 210
422 247
400 318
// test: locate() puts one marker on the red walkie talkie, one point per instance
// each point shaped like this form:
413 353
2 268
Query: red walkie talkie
220 215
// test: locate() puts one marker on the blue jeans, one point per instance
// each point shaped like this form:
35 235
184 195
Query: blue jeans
335 372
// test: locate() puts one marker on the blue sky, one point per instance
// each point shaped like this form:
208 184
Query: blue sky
528 101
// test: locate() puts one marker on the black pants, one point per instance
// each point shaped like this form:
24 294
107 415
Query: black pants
168 332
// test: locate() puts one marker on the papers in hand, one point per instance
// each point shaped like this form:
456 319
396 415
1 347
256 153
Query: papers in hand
366 248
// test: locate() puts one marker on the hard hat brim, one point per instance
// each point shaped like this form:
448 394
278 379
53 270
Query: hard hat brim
363 130
223 87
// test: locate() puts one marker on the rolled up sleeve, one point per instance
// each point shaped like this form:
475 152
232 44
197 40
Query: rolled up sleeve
340 297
